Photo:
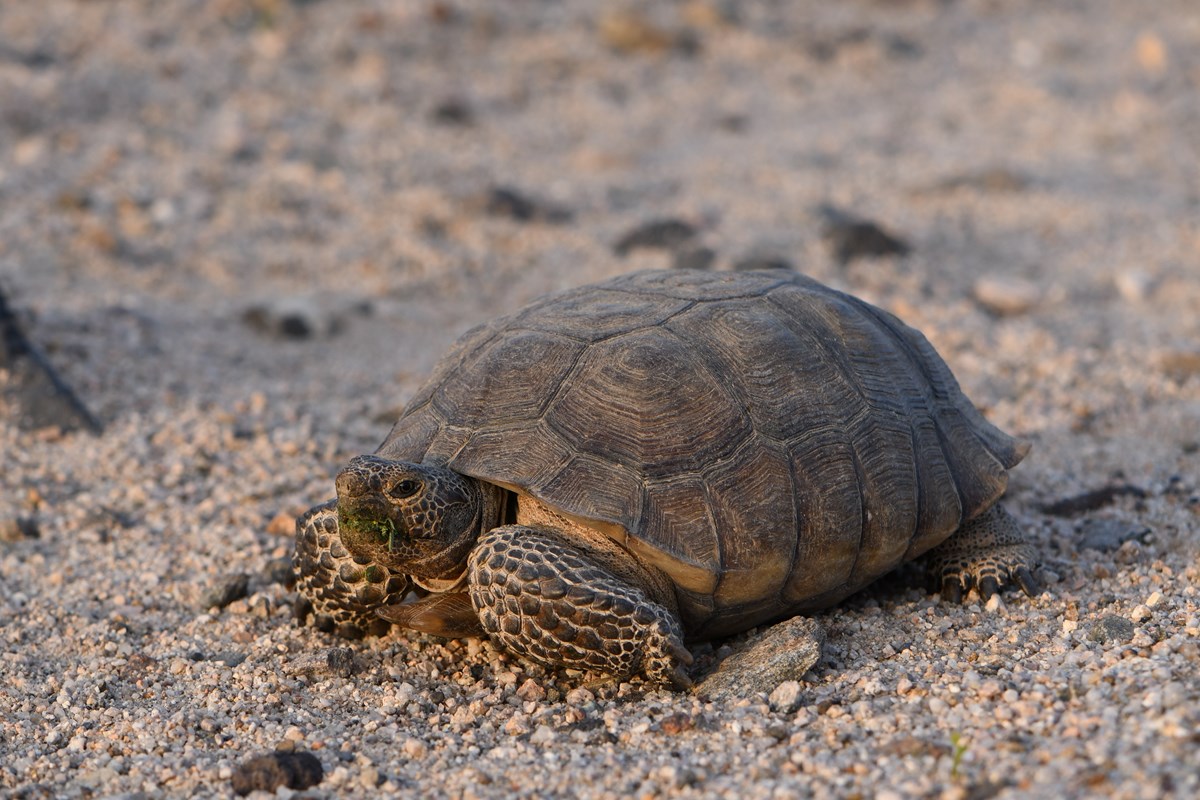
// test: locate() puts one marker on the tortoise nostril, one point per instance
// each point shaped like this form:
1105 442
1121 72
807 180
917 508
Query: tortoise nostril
352 483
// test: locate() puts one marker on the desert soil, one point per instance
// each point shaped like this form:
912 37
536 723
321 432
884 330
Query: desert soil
244 230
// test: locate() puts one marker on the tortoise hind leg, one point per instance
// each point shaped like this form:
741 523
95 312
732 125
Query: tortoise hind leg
987 553
547 599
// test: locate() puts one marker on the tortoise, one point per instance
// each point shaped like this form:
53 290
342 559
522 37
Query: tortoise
672 455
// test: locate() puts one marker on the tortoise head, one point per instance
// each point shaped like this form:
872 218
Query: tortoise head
419 519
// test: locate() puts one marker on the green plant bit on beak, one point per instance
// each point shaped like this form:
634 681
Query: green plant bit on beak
384 528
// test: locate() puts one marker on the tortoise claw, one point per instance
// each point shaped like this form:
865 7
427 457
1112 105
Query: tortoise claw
952 589
1027 582
678 676
682 653
989 586
680 679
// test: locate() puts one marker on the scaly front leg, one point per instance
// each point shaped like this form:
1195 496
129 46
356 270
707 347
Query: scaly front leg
340 592
543 597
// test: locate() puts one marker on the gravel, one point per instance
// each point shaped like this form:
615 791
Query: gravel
166 168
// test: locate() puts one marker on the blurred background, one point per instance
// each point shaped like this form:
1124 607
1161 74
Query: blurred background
304 200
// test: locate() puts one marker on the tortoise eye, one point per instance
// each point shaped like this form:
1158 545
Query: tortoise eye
405 488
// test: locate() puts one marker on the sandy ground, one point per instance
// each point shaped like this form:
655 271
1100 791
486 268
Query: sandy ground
245 229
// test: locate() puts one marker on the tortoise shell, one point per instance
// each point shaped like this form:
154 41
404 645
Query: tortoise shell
769 443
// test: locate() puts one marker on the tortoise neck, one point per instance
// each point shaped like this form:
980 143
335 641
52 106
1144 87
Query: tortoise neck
494 510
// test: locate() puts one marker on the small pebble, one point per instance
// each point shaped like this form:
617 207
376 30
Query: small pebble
282 524
517 725
786 697
1006 296
677 723
453 111
1180 364
15 529
630 31
296 770
660 234
1133 285
698 257
851 237
1111 629
294 318
370 777
762 261
544 734
531 690
505 201
225 591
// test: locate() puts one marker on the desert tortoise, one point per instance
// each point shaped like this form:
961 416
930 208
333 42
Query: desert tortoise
667 455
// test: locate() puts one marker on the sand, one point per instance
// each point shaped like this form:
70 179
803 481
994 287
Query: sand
244 230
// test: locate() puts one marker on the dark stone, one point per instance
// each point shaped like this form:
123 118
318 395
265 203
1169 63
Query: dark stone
279 570
293 318
1104 535
34 387
505 201
105 521
694 258
733 123
225 591
762 261
231 659
296 770
295 326
15 529
341 662
36 59
288 325
660 234
902 47
453 111
1091 500
1110 628
852 237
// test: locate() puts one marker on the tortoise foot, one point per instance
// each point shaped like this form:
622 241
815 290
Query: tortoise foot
544 598
339 593
987 553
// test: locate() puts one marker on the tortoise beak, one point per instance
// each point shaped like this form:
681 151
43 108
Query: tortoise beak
358 479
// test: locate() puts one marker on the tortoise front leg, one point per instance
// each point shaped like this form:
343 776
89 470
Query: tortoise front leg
340 592
547 599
